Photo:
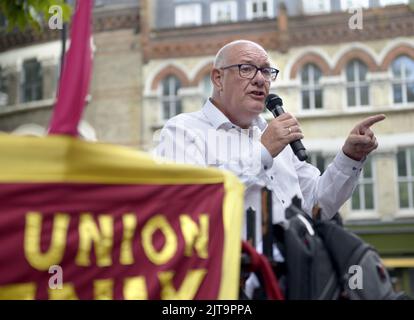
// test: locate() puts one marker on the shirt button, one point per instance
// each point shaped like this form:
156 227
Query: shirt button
271 177
265 167
283 201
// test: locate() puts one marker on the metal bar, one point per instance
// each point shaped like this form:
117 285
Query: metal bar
251 226
267 225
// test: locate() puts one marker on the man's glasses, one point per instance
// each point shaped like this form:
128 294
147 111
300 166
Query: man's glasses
249 71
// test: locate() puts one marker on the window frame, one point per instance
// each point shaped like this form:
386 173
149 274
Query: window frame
33 85
314 156
345 6
357 85
362 182
214 9
197 15
409 179
202 85
384 3
311 87
4 94
172 100
262 15
402 81
306 7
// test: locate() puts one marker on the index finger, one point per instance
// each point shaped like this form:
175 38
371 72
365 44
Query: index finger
368 122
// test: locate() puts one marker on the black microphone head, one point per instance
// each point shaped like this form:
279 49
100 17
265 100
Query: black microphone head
273 100
274 104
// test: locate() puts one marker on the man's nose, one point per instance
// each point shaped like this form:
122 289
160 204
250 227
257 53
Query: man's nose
259 79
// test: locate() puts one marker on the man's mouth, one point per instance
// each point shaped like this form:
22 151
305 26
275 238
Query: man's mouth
257 94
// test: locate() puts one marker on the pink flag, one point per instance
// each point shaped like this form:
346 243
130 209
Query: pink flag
74 82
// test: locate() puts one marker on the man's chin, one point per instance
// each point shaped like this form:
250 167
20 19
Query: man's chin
257 108
256 103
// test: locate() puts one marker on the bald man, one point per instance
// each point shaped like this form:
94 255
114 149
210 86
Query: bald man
229 133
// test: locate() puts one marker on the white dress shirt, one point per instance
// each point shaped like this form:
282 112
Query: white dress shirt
208 138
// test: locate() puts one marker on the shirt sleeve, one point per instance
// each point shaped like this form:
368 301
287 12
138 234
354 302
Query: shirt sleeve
331 189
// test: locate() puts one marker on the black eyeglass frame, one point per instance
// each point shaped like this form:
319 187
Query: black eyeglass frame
239 65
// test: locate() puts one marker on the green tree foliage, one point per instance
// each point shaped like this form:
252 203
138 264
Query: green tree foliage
34 14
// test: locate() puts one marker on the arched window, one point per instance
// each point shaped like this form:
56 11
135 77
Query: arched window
403 75
357 91
171 103
311 89
32 81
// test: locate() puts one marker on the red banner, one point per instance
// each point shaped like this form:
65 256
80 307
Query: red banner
106 226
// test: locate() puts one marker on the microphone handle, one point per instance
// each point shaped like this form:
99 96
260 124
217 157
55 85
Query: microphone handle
296 145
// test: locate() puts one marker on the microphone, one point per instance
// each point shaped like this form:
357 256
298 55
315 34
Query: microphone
275 105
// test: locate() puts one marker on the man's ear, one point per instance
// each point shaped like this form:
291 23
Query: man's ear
217 79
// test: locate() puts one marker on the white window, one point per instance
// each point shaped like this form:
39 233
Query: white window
391 2
403 83
316 6
171 102
32 81
357 90
311 89
3 88
256 9
347 4
363 197
207 87
405 167
223 11
188 14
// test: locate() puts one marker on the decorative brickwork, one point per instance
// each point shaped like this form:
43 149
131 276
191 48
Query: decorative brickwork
310 58
173 71
278 34
400 50
356 54
201 74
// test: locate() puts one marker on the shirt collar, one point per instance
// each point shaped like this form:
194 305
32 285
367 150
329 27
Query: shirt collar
219 120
